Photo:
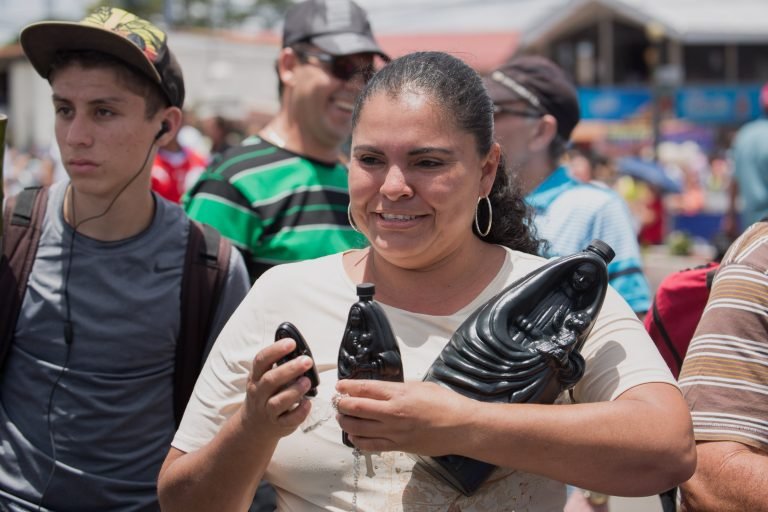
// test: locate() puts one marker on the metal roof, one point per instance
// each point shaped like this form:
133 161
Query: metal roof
476 28
689 21
484 52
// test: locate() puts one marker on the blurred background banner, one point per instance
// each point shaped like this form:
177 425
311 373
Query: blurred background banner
613 104
718 104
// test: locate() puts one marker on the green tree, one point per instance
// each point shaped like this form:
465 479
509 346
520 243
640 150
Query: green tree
148 9
203 13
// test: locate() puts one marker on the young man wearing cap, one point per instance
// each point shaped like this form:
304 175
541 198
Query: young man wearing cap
87 381
537 108
282 195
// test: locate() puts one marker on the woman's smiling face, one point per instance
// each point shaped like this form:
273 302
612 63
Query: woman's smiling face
415 179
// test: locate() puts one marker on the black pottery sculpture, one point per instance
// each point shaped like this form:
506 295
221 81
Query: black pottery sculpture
368 349
522 346
288 330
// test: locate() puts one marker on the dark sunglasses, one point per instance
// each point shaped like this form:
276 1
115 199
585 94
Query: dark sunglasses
516 112
344 68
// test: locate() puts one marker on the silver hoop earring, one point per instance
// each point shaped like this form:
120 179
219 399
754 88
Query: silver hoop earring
350 219
484 233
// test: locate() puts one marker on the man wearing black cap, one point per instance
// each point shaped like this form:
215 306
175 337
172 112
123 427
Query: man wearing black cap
536 110
282 195
88 374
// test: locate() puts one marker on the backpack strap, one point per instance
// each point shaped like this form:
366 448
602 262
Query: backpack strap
206 266
667 339
711 277
676 350
22 226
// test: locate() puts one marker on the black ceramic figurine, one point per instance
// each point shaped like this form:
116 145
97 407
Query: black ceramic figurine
522 346
288 330
368 349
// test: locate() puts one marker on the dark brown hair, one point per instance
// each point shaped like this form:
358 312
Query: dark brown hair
459 90
131 78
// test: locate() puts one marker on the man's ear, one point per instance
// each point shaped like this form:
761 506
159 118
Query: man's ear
546 131
287 60
170 122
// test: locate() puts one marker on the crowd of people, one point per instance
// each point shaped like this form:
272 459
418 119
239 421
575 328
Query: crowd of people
444 189
706 183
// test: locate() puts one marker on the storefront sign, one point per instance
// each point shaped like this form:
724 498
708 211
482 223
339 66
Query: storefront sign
613 104
718 104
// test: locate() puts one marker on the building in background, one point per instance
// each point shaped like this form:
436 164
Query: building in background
660 70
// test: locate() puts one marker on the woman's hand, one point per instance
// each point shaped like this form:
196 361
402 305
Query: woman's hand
414 417
224 474
274 402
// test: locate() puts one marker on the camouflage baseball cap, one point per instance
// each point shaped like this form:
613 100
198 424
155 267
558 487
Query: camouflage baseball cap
112 31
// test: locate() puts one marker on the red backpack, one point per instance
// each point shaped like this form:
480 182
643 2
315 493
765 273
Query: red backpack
676 310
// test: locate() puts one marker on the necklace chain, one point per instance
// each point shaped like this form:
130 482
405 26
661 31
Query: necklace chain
273 137
356 477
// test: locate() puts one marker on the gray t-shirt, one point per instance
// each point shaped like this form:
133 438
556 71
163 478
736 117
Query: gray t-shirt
111 412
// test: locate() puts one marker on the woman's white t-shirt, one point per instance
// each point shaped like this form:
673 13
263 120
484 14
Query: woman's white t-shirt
311 469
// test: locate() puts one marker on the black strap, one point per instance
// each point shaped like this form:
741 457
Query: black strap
22 225
205 270
210 251
711 277
25 203
665 336
625 272
669 500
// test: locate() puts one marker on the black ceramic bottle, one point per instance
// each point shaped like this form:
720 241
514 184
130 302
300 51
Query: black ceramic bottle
368 349
522 346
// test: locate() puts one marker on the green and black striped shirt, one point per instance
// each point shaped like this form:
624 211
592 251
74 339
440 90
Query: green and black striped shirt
276 206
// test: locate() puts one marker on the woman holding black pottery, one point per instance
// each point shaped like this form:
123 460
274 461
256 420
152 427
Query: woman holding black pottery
447 232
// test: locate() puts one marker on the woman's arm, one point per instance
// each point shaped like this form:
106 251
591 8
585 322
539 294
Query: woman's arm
637 445
224 474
